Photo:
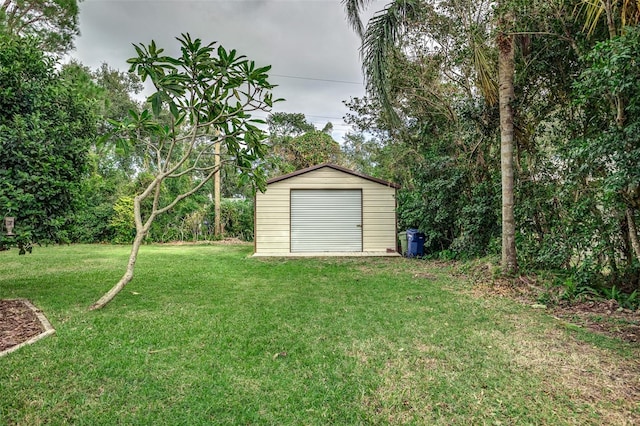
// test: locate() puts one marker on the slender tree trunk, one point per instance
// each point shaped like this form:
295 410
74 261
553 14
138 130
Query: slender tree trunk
128 275
633 232
611 25
506 67
141 231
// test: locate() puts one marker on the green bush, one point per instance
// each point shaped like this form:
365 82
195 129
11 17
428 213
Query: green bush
122 222
236 218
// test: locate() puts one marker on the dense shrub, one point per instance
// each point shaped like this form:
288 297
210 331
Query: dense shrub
236 218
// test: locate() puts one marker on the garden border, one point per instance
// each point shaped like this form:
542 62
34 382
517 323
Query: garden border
46 325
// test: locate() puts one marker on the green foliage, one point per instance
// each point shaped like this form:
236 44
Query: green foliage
237 218
574 207
577 147
110 92
99 193
203 101
46 128
193 220
209 90
609 89
631 301
53 23
23 241
575 289
112 168
283 125
121 222
314 148
454 217
379 41
296 144
569 290
185 222
359 153
624 300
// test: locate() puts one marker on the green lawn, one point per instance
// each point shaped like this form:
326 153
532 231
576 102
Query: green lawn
208 335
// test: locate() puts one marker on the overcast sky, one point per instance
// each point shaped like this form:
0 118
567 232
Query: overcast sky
312 49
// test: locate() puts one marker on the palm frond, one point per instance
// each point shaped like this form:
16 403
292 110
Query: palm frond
593 10
383 34
485 72
353 9
628 10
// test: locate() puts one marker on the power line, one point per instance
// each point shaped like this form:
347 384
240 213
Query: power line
318 79
306 116
324 116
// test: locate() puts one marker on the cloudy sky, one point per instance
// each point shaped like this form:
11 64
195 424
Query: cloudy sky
312 49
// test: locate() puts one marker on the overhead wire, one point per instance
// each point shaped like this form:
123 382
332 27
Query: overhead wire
341 125
318 79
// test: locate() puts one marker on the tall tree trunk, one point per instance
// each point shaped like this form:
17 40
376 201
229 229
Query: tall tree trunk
633 232
506 67
128 275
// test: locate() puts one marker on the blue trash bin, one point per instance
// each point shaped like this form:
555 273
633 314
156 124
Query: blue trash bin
415 243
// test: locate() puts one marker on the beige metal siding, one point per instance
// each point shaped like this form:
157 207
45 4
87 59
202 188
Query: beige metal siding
378 217
273 224
272 220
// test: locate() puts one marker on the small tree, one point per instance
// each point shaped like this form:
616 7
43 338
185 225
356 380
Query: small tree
210 94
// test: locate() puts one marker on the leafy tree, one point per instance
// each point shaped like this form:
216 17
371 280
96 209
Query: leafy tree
313 148
115 99
296 144
622 19
379 39
387 33
236 217
609 88
210 93
53 22
360 153
284 125
571 132
113 166
367 147
443 156
46 129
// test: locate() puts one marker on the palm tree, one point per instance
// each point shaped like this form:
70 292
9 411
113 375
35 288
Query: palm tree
506 68
379 38
383 33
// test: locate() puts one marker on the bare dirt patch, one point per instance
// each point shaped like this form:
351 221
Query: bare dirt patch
600 316
590 376
594 376
604 317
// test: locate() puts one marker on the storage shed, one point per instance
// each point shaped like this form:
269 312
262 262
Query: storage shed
326 210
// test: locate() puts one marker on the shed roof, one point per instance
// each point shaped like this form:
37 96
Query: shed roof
335 167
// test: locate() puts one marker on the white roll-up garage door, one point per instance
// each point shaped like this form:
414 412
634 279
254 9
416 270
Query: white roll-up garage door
324 220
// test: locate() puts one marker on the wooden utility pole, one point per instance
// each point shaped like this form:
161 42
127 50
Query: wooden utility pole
217 228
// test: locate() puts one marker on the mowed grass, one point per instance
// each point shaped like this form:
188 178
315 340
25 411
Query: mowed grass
208 335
